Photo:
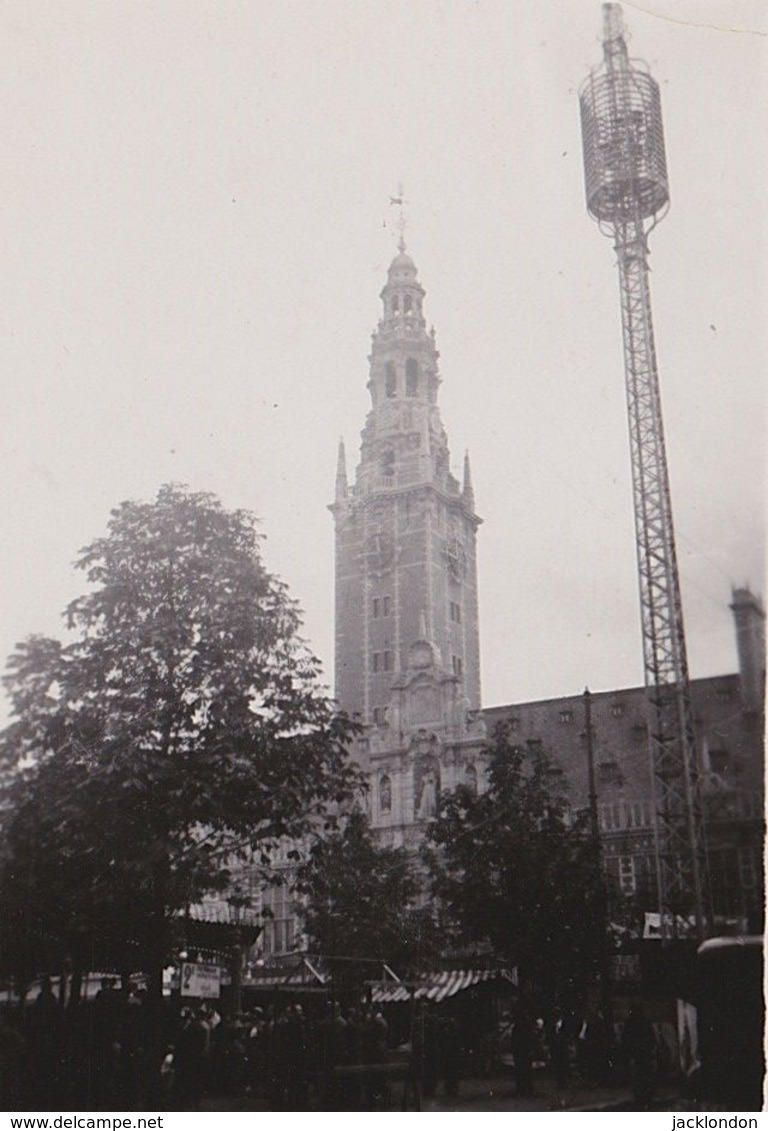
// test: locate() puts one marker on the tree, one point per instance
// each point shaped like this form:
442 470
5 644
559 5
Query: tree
180 728
511 871
361 901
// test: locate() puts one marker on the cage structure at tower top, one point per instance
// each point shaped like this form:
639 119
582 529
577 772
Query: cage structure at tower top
625 166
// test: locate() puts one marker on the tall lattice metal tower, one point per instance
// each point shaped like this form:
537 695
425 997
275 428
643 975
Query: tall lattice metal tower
627 193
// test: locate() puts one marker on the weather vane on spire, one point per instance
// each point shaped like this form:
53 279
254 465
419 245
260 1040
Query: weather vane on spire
400 201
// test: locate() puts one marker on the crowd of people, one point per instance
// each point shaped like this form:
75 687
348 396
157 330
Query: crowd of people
114 1053
587 1050
293 1059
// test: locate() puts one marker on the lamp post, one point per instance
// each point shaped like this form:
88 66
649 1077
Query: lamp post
237 901
604 958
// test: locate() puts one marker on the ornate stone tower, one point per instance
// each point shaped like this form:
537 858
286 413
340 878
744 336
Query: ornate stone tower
407 646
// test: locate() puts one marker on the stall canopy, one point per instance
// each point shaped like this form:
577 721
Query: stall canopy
215 925
302 974
438 986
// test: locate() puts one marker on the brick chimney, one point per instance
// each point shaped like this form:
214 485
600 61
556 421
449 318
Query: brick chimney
749 615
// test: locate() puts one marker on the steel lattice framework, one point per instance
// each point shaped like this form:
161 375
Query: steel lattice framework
627 193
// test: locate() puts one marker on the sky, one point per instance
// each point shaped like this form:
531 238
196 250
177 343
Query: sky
195 230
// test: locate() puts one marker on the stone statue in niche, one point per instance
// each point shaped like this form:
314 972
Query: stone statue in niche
385 794
428 800
427 789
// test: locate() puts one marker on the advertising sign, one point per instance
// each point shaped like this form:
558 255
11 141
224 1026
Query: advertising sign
200 979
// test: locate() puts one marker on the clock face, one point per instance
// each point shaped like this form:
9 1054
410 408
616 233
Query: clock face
456 559
379 551
421 655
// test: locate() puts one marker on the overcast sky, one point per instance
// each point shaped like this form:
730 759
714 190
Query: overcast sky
195 231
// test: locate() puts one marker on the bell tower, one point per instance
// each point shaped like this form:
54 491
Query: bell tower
407 643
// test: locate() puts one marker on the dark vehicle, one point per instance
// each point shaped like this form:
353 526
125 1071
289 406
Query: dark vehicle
731 1014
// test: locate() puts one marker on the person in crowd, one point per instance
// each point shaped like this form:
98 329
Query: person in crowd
12 1053
168 1078
278 1063
132 1047
451 1053
426 1050
44 1046
104 1045
296 1053
523 1045
231 1069
377 1036
594 1049
192 1055
375 1044
639 1046
559 1041
333 1049
258 1053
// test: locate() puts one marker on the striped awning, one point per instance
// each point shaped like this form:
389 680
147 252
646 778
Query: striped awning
220 911
437 987
272 981
303 973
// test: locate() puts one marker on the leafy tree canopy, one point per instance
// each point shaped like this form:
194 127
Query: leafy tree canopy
512 871
180 727
362 901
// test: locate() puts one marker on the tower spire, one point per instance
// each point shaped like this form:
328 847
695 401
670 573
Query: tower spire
341 473
467 491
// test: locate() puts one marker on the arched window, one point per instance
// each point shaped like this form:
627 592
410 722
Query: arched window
411 377
470 779
407 304
388 462
395 304
385 794
390 379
